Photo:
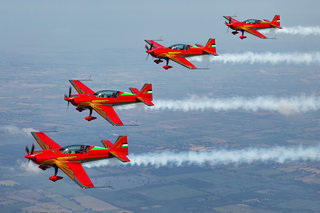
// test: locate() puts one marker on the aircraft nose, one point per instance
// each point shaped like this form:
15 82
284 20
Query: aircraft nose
67 98
149 51
28 156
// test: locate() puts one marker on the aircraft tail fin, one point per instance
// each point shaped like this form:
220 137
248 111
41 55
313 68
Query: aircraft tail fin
211 47
119 149
146 91
145 95
276 22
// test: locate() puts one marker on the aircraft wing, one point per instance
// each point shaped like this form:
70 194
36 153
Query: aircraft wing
44 141
154 44
230 19
108 113
76 172
254 32
182 61
80 87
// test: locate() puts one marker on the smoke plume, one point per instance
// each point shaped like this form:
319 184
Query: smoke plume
220 157
297 30
296 58
14 130
28 167
298 104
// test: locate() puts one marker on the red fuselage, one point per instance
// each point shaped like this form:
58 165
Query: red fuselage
49 157
161 52
240 25
84 100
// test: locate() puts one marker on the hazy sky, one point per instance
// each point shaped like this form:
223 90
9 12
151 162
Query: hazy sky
45 43
102 24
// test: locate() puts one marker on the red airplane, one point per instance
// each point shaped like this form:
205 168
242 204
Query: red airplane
252 25
103 101
179 52
69 158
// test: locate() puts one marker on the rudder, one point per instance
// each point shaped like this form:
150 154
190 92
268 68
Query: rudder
121 145
146 91
120 149
211 46
276 21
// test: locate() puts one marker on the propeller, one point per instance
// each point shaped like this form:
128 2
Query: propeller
148 50
228 23
28 151
65 96
227 26
32 150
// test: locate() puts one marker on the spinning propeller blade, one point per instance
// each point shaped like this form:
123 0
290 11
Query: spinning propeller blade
32 149
146 46
27 150
66 96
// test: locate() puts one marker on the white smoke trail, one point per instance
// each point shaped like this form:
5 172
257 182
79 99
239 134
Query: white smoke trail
297 30
298 104
14 130
223 157
310 58
27 166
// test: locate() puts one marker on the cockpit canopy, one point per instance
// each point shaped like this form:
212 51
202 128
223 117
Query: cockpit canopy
75 149
252 21
180 47
107 94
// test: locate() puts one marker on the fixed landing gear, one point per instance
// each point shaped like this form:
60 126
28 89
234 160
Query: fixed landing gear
79 109
167 66
90 118
55 177
43 167
242 36
157 61
235 32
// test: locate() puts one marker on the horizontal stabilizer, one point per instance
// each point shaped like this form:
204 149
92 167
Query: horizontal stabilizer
119 149
134 91
199 45
275 26
145 101
107 144
120 156
211 52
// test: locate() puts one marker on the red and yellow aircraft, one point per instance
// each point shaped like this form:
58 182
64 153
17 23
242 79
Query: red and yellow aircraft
69 158
103 101
252 25
179 52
